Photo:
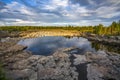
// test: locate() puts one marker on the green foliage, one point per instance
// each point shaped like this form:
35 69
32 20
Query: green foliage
113 29
98 29
2 74
35 28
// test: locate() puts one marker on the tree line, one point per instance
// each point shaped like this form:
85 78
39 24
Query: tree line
113 29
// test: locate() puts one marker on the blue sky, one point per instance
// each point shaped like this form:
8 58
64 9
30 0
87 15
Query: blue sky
59 12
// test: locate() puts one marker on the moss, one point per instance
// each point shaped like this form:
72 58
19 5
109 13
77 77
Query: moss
2 73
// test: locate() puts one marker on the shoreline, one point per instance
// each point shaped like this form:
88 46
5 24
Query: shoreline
21 65
107 40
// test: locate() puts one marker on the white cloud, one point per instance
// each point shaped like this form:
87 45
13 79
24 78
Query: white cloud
92 2
58 12
54 4
113 2
16 7
66 9
107 12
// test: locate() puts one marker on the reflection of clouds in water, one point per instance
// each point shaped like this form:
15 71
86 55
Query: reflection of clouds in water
51 45
81 43
46 45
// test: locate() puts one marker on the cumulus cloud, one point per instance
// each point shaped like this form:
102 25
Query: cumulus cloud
59 12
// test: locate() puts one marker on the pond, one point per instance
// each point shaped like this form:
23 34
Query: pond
48 45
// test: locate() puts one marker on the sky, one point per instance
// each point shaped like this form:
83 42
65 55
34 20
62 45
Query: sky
59 12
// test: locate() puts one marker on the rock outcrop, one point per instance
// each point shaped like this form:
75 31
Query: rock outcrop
115 40
64 64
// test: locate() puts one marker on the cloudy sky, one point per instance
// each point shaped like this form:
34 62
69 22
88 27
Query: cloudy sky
59 12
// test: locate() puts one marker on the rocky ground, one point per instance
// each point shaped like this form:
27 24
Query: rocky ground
4 34
108 40
64 64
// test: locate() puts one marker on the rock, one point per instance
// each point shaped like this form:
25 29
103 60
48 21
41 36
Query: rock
12 60
46 74
60 55
25 74
56 67
93 73
61 65
90 56
9 50
56 74
47 62
102 54
20 65
1 54
105 40
15 48
103 63
3 34
118 37
30 62
95 56
79 59
5 39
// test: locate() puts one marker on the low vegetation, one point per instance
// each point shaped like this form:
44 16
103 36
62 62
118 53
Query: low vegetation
113 29
2 74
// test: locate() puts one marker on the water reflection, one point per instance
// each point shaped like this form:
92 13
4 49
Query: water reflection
48 45
100 46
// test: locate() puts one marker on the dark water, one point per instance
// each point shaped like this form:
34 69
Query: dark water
100 46
48 45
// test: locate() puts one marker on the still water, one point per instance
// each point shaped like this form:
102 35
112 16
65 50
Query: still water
48 45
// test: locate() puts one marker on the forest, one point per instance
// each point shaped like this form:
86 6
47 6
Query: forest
113 29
